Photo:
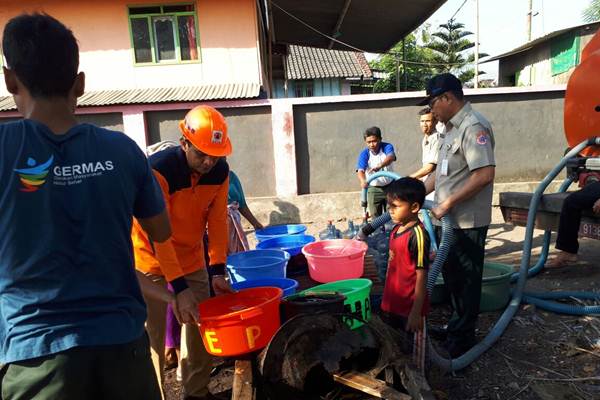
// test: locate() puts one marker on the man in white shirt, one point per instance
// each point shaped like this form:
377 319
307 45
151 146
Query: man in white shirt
429 145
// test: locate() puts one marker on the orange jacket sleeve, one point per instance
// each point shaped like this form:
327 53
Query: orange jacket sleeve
165 252
217 226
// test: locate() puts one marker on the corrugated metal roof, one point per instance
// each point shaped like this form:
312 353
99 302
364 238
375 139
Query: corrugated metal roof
529 45
370 25
315 63
225 91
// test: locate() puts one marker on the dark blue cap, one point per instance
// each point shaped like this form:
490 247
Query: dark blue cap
439 84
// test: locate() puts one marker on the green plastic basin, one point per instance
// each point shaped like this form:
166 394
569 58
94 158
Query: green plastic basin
357 292
439 294
495 287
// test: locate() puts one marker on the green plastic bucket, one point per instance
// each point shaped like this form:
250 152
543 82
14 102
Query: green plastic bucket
440 294
495 287
357 292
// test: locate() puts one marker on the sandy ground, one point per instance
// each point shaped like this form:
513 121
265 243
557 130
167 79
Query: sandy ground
541 356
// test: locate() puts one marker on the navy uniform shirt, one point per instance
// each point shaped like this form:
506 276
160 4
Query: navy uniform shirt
67 202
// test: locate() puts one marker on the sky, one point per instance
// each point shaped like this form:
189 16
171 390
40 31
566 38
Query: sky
503 23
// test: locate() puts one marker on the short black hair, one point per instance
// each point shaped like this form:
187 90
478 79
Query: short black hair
406 189
372 131
425 111
43 53
457 93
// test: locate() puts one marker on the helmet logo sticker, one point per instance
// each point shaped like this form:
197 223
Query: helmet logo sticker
189 128
217 137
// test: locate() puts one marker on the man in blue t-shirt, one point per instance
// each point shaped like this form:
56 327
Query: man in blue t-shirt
378 156
71 311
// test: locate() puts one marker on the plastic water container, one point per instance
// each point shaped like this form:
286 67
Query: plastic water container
240 323
312 303
440 293
279 230
293 244
357 292
330 232
334 260
287 285
495 286
257 264
351 232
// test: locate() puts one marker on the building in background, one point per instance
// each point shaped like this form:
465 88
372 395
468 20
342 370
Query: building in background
149 61
547 60
311 71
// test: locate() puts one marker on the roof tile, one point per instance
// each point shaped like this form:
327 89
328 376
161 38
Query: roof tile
226 91
304 62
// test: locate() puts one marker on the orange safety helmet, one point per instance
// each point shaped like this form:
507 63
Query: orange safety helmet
206 129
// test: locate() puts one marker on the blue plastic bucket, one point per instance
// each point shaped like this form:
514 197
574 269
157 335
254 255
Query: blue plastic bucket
271 232
287 285
291 243
257 264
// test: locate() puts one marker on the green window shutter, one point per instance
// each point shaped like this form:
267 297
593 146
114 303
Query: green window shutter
164 34
564 53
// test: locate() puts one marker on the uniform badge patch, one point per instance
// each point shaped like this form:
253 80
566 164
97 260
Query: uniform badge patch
217 137
482 138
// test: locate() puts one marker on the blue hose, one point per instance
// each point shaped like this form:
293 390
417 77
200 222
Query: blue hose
500 326
534 270
542 301
428 225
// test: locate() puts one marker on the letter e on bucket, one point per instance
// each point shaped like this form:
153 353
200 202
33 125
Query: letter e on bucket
211 339
252 333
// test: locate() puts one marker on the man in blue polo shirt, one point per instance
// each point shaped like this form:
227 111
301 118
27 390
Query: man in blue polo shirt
71 311
378 156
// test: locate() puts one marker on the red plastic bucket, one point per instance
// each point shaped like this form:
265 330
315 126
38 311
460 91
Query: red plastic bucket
240 323
334 260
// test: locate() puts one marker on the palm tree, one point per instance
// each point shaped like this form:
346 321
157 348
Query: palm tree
449 45
592 12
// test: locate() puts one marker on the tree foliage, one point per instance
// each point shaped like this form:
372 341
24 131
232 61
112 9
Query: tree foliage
450 44
411 76
445 50
592 12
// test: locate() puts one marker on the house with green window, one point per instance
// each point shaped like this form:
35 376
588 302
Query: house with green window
548 60
162 51
149 61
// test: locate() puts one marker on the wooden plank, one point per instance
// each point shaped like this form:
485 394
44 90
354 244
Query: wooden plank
369 385
242 381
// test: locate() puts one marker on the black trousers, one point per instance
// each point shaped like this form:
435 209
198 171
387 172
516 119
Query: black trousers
116 372
463 272
570 216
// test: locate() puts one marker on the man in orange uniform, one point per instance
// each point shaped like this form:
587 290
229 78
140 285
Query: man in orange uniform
194 179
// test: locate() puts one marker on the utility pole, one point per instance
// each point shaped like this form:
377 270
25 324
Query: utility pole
404 64
476 83
529 16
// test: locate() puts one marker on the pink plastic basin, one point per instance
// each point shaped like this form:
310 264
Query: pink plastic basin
334 260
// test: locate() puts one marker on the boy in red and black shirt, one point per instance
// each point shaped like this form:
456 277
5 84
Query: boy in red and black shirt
405 302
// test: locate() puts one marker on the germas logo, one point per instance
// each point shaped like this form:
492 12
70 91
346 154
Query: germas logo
33 177
83 169
75 174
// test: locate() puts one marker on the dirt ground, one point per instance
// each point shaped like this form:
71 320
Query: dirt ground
541 356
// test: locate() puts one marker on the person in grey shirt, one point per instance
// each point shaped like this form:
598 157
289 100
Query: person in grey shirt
429 145
463 183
